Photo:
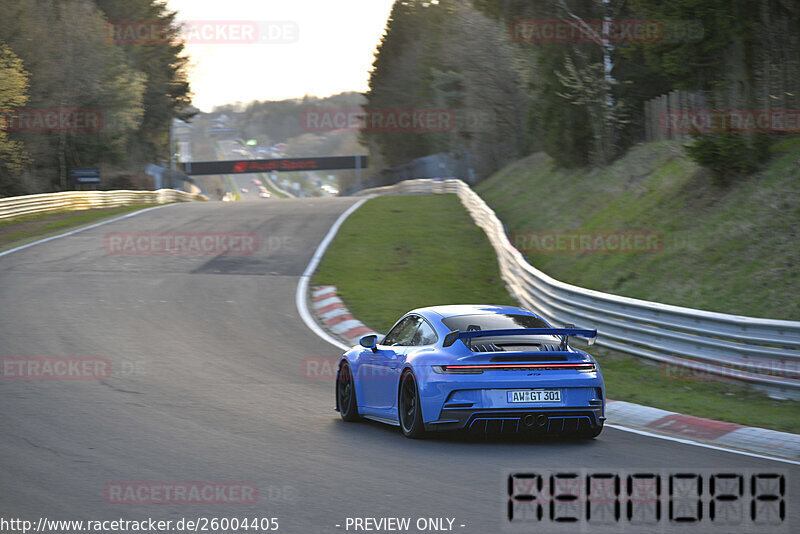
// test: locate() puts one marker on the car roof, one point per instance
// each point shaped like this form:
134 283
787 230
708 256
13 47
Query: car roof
443 312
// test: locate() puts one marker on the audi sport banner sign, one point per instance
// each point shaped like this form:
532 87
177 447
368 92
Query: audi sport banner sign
325 163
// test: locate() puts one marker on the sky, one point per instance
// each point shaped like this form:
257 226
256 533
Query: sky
245 50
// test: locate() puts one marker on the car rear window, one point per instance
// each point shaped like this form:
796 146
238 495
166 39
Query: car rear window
493 321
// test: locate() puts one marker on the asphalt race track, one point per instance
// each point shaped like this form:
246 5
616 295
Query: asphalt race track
209 384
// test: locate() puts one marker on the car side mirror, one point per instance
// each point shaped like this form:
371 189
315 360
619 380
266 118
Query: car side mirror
369 342
450 338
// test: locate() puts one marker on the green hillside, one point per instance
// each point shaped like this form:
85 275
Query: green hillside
732 249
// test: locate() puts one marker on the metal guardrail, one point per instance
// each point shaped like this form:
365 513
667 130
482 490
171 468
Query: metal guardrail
762 352
11 207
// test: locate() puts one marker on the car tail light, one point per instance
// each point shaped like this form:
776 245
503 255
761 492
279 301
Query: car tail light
585 367
451 370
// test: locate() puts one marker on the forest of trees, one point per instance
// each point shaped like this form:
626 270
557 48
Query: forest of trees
59 57
580 100
282 120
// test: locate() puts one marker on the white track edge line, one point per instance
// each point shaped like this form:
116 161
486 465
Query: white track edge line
700 444
302 285
81 229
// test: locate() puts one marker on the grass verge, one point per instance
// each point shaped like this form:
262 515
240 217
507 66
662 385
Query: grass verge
398 253
22 230
395 254
727 248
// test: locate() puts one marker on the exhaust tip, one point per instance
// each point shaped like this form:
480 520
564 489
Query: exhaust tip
529 420
541 420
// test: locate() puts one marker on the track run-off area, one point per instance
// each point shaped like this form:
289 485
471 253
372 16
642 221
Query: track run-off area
208 384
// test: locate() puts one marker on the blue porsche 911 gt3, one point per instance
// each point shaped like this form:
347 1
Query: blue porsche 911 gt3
479 368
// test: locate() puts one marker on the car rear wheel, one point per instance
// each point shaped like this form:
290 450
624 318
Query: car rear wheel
346 394
409 408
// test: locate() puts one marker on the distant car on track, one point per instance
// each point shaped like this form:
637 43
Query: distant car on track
264 194
256 181
329 189
481 368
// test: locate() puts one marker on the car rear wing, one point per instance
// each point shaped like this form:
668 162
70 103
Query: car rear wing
563 333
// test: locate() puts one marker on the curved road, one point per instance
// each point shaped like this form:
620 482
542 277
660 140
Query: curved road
209 383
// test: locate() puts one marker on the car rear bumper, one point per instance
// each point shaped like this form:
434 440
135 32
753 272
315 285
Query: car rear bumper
550 420
456 397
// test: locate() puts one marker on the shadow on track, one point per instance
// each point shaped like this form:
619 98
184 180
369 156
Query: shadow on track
384 431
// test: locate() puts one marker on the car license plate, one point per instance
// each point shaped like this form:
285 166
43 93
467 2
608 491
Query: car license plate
534 395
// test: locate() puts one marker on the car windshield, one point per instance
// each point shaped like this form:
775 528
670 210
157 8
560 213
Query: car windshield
493 321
